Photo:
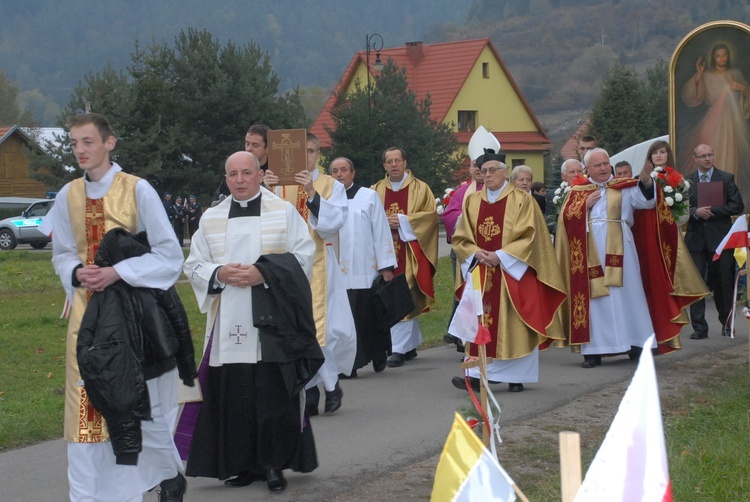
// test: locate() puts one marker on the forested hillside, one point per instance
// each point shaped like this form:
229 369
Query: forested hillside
557 50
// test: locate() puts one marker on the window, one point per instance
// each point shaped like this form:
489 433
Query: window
485 70
467 121
517 162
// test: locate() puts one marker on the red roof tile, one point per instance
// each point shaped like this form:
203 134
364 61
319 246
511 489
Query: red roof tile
570 149
438 69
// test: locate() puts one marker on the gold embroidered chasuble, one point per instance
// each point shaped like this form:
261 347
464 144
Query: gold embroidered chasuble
90 219
421 212
670 280
525 310
297 195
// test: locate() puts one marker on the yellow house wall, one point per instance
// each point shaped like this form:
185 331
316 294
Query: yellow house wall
497 105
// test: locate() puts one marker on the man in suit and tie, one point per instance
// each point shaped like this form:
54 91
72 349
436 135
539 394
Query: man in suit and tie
706 228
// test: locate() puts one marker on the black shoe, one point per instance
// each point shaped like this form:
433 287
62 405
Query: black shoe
312 398
635 353
333 399
275 480
172 490
460 383
515 387
243 479
353 374
412 354
698 336
395 360
448 338
591 361
726 332
379 366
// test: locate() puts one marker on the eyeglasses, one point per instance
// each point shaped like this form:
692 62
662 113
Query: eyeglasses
490 170
705 156
392 162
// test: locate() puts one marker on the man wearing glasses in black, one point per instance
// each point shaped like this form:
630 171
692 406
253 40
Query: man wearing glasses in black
706 228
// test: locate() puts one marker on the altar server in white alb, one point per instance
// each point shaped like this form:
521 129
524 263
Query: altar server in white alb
321 201
366 250
86 208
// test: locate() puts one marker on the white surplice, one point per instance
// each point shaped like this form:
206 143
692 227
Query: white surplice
341 335
365 242
620 319
221 240
92 471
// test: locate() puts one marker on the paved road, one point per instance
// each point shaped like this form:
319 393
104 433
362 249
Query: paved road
388 420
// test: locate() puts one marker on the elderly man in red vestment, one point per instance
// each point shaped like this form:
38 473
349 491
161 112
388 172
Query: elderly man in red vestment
503 232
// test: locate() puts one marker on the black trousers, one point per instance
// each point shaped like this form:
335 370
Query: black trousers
721 278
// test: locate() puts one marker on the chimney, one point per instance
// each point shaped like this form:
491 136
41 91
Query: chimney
415 52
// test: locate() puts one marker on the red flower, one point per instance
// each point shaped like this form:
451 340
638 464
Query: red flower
446 200
673 177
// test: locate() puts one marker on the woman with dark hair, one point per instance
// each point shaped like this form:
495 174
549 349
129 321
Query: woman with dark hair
660 155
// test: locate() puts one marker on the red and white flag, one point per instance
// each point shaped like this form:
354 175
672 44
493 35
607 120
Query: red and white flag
631 464
465 323
736 238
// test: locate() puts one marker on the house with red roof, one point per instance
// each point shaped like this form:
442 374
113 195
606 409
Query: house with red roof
14 164
469 86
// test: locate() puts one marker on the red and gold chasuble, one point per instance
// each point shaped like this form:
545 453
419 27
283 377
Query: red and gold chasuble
489 236
90 219
519 313
397 202
659 246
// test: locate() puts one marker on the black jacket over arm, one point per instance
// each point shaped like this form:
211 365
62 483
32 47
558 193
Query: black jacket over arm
129 335
282 312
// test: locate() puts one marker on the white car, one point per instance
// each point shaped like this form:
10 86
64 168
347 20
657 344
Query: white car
24 229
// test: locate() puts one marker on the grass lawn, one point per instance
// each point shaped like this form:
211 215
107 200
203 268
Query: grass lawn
708 434
32 342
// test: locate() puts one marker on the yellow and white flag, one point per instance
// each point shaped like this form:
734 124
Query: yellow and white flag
468 472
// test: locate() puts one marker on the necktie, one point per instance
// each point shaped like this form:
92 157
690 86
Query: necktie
704 177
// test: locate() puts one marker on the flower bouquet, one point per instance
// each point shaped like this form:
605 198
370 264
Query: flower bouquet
676 190
443 202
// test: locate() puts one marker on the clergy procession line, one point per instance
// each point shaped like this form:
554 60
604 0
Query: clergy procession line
302 284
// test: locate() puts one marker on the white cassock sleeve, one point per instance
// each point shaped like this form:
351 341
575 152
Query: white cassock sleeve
158 269
298 240
332 214
161 267
199 269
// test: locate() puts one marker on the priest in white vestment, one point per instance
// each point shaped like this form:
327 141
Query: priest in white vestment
618 310
250 426
365 250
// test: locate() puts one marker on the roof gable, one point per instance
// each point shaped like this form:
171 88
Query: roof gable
440 70
7 132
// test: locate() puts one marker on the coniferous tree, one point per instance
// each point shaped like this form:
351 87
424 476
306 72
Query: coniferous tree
181 110
621 116
396 118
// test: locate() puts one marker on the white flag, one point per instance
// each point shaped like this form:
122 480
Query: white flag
631 463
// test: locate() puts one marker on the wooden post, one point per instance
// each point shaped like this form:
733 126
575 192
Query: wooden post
486 428
570 464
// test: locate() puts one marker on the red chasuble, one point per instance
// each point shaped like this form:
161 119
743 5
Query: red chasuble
397 203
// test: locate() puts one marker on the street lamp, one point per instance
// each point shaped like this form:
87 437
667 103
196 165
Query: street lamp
373 42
